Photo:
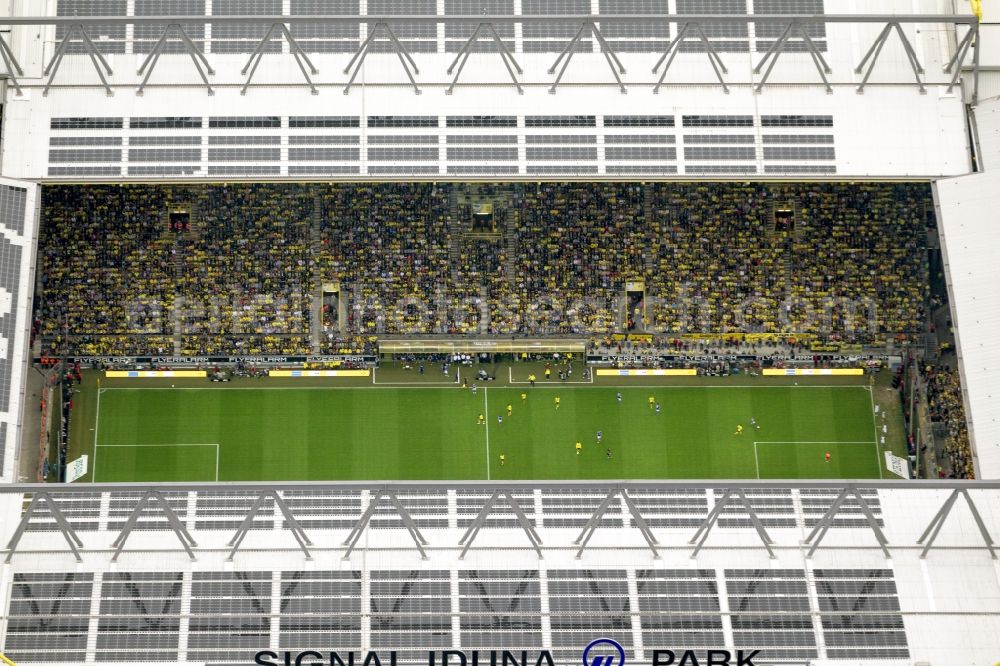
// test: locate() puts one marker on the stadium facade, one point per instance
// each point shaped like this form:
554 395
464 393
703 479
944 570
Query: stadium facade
213 575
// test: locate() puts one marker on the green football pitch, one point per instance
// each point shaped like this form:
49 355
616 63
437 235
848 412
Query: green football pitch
424 432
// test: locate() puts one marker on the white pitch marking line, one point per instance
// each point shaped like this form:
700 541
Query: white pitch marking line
438 385
383 385
375 383
512 381
571 383
878 449
800 441
756 459
123 446
97 421
162 446
486 413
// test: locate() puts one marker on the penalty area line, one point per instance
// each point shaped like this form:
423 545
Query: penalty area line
756 457
577 382
162 446
428 384
97 430
878 449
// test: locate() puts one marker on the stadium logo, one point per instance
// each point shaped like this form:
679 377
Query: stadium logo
603 660
607 649
599 652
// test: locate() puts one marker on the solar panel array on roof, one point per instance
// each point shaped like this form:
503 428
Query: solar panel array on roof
770 610
10 272
864 620
680 607
229 615
639 37
320 608
586 603
326 38
243 37
49 617
146 35
107 38
724 37
13 202
500 609
139 614
456 34
767 33
411 612
639 145
553 37
418 38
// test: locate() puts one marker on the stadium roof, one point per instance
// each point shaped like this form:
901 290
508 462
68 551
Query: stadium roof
793 76
653 565
17 233
967 214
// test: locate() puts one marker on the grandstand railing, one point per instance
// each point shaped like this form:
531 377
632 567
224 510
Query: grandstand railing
320 514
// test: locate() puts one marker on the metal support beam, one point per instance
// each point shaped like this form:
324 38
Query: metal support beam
480 520
826 522
961 50
175 524
537 19
931 533
197 57
977 49
77 26
64 526
11 65
95 57
359 527
675 46
876 48
778 47
505 55
817 57
246 525
404 56
774 49
641 523
609 54
411 525
301 59
595 520
713 517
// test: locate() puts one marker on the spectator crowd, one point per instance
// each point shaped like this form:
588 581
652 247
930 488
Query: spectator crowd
945 407
845 262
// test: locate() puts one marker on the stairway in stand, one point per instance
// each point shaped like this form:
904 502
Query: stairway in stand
456 227
316 304
510 244
177 249
649 249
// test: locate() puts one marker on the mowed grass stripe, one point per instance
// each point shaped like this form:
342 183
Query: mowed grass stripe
431 433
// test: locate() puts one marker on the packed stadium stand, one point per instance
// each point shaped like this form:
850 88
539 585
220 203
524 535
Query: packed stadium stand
507 332
712 256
